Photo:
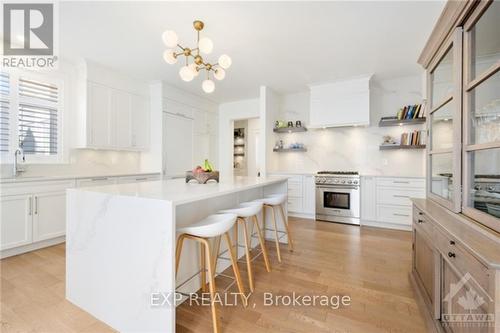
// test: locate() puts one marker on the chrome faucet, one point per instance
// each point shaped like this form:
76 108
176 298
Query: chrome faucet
17 169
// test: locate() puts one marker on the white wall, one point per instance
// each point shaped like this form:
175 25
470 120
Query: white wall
353 148
228 113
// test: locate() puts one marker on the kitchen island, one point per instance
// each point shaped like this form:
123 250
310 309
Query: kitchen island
120 245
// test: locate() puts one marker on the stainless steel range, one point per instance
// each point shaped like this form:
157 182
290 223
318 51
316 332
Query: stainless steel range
338 196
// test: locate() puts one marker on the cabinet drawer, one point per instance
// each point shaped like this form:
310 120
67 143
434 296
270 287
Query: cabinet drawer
98 181
420 221
394 214
138 178
294 189
36 186
462 259
401 182
398 196
294 204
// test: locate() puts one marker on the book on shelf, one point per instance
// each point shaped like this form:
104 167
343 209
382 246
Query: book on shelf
410 112
415 138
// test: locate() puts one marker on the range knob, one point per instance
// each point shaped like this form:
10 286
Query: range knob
355 182
349 182
343 182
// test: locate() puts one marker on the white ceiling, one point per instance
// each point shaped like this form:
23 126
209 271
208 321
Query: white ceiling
284 45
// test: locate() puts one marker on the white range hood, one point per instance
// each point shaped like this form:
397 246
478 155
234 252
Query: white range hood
340 103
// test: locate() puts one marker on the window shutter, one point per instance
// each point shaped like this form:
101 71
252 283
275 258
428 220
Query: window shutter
38 117
4 112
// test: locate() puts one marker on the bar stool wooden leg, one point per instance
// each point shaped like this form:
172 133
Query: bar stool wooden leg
247 254
211 274
203 266
262 243
276 233
216 252
288 234
178 251
234 262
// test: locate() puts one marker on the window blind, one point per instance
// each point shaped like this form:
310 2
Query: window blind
4 112
38 117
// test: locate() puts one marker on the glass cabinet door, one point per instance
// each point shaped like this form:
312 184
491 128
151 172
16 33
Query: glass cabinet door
444 124
481 86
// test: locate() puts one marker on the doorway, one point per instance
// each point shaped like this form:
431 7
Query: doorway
246 147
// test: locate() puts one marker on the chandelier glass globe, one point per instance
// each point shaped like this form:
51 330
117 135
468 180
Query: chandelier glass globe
225 61
220 74
186 73
169 57
208 86
170 38
206 45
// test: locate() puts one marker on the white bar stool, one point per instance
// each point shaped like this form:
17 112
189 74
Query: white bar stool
212 226
245 211
273 201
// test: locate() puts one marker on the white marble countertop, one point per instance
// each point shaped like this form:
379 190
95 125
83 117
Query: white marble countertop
178 192
21 179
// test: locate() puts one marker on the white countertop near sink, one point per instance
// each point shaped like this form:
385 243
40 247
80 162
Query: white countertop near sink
21 179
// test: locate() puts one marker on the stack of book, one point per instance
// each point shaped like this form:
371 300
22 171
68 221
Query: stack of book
411 112
415 138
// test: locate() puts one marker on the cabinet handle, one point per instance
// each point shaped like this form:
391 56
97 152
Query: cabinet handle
396 214
451 255
420 213
420 221
400 182
30 212
452 242
144 178
36 205
98 179
400 196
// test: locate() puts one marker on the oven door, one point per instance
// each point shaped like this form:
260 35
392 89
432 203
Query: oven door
342 201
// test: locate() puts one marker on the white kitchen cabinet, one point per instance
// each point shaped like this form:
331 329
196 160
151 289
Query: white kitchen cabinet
16 222
96 181
177 108
99 115
121 113
309 195
177 144
49 215
301 195
200 123
140 117
385 201
114 119
368 199
137 179
342 103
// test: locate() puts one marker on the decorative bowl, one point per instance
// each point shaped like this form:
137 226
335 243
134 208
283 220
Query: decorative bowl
202 177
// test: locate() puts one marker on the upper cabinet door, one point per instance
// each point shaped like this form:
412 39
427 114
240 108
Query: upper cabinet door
140 122
481 137
444 93
99 115
121 109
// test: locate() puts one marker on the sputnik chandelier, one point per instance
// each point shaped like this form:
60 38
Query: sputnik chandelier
191 70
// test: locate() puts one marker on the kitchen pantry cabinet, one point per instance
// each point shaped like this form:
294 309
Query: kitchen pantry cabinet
116 119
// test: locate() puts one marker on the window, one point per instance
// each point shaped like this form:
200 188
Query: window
4 112
31 116
38 117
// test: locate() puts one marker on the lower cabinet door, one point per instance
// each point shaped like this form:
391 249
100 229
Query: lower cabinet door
16 220
424 264
464 304
49 215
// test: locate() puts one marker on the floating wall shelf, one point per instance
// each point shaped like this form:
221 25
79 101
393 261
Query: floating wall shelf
286 150
396 122
289 129
393 147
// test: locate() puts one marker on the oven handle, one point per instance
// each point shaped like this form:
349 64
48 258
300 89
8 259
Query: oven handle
340 187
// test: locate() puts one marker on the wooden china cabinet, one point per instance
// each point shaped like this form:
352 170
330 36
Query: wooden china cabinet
456 229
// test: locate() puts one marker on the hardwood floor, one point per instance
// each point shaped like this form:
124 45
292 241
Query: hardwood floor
370 265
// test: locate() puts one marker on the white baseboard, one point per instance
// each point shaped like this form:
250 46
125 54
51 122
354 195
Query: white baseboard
302 215
31 247
385 225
